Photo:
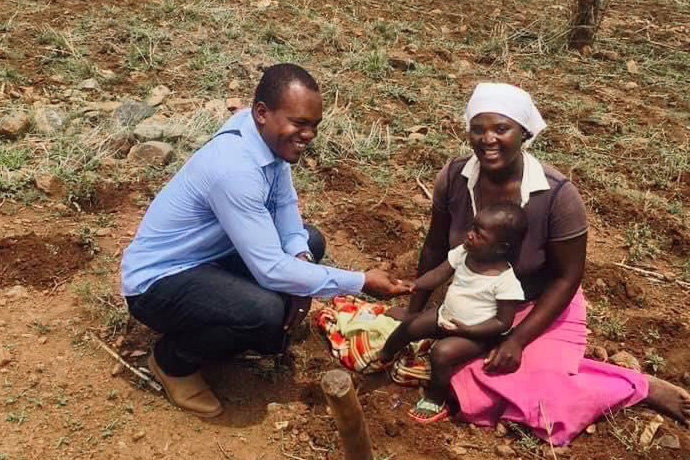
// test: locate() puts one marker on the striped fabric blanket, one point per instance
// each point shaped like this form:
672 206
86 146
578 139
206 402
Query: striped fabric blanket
356 330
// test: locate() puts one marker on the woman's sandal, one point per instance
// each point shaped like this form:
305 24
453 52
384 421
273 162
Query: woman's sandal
426 411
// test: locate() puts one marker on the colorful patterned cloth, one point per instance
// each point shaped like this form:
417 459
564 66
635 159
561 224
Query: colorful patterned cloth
356 330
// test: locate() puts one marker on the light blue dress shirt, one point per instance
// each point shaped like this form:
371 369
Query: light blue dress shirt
233 194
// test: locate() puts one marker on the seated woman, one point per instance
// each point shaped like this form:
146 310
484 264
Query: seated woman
537 375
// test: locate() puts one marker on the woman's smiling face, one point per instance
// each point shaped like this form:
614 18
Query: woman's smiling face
496 140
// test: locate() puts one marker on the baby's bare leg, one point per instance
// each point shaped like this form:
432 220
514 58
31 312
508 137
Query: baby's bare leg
418 327
446 355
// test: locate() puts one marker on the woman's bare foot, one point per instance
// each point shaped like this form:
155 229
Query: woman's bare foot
669 399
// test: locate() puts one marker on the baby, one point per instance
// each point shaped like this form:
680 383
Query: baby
479 306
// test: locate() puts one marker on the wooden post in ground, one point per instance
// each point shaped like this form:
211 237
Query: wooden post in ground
348 415
584 23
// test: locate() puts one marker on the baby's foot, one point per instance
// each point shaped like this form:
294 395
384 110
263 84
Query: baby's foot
669 399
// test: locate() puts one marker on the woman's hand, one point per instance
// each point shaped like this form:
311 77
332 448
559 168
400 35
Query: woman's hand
505 358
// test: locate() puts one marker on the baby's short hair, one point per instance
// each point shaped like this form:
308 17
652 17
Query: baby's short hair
512 226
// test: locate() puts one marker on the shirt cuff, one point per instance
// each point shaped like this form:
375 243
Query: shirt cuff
349 282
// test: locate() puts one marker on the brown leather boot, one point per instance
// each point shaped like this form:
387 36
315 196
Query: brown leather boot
190 392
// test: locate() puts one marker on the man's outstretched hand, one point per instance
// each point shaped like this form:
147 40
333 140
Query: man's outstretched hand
383 285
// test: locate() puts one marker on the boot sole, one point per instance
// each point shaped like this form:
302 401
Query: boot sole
157 371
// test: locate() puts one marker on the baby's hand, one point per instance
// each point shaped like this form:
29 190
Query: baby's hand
459 326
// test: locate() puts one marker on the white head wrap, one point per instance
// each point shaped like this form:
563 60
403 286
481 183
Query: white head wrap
506 100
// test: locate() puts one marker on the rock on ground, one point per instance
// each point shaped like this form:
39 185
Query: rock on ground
50 184
157 128
158 95
132 112
152 153
89 83
49 119
625 359
14 125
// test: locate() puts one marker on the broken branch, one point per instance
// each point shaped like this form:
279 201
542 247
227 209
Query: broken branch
134 371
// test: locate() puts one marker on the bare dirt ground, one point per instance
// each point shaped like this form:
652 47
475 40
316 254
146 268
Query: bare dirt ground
619 126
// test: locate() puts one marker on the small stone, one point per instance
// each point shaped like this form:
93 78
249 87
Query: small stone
138 436
632 67
391 429
121 144
49 119
104 232
422 129
600 353
106 74
505 451
631 85
89 84
132 112
625 359
42 340
137 353
17 292
151 153
670 441
14 125
234 85
233 103
117 369
5 357
458 450
606 54
157 127
411 48
601 283
280 426
107 106
464 66
50 184
401 61
591 429
158 95
274 407
501 430
650 430
415 137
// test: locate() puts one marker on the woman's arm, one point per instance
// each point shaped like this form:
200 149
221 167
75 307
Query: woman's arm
434 252
492 327
566 260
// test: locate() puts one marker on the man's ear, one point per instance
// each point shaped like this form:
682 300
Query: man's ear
260 110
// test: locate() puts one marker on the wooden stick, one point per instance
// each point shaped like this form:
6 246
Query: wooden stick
348 415
423 187
134 371
659 276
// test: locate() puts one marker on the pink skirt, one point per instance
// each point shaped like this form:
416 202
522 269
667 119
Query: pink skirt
556 391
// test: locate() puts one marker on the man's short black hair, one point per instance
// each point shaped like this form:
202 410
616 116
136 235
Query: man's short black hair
278 77
512 226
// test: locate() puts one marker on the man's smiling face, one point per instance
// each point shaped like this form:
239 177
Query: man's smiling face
292 124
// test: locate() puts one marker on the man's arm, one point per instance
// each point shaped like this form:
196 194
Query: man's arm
237 201
288 221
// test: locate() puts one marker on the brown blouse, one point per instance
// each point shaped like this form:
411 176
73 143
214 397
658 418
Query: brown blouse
557 214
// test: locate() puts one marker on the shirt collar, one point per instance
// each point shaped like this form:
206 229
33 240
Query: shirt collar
243 121
533 178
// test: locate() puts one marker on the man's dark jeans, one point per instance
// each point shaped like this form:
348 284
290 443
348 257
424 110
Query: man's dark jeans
213 311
